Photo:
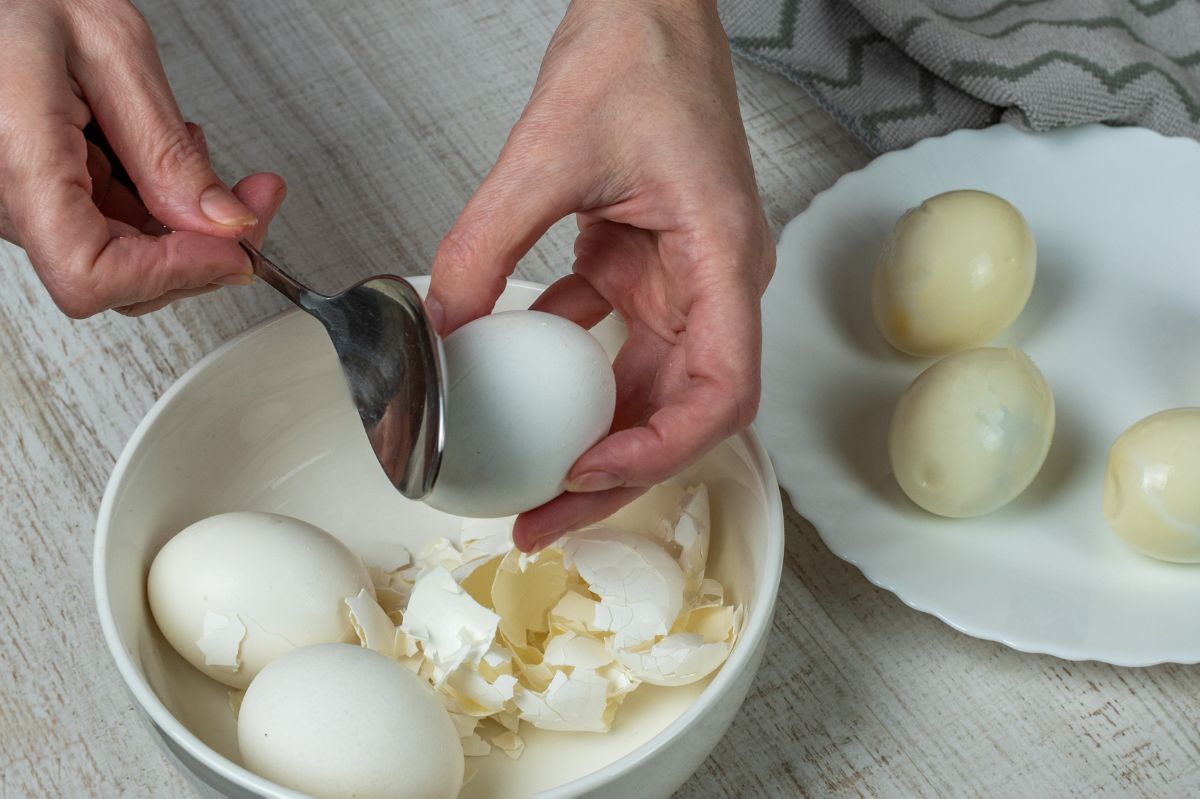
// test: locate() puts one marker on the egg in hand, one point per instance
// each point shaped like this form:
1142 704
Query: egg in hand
972 431
1152 485
953 273
527 393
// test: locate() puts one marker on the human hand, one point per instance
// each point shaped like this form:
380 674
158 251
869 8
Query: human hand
94 242
634 126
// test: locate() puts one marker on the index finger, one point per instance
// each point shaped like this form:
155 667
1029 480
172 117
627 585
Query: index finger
698 400
87 262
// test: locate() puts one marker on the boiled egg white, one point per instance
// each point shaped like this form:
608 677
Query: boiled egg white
953 273
527 393
235 591
1152 485
337 720
972 431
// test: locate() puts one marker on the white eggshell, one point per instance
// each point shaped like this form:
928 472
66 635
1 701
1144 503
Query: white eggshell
336 720
281 579
972 431
1152 485
527 393
954 272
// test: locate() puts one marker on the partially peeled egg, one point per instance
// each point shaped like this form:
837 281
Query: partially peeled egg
1152 486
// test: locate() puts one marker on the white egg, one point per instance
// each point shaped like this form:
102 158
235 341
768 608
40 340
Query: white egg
1152 485
527 393
337 720
972 431
953 273
235 591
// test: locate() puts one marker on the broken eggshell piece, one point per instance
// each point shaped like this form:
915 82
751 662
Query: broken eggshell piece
558 638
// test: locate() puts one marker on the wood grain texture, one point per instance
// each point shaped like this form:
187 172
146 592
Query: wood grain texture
384 115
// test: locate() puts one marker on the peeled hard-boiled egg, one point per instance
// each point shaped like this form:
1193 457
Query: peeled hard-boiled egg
953 273
235 591
1152 485
336 720
527 393
972 431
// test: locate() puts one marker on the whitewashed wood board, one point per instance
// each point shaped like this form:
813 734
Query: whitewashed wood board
384 115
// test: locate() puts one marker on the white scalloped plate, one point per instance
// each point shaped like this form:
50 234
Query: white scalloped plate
1114 324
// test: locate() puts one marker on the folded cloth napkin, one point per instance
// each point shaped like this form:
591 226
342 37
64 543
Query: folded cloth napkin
895 71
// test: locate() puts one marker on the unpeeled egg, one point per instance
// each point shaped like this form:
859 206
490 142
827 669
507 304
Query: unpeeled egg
527 393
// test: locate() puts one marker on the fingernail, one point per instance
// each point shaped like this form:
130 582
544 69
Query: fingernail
435 312
235 280
219 205
589 482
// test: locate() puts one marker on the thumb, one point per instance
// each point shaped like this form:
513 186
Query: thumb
516 204
128 93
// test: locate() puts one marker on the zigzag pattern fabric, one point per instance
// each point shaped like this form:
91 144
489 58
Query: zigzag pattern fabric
895 71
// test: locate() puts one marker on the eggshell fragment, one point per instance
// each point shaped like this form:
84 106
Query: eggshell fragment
387 556
701 642
677 659
474 746
640 586
372 625
235 701
452 627
575 651
510 744
486 536
477 696
576 704
523 592
574 612
691 535
221 641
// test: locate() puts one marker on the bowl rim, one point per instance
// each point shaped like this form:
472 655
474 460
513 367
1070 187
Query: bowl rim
756 627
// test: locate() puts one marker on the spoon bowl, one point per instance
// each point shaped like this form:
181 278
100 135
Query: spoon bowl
393 364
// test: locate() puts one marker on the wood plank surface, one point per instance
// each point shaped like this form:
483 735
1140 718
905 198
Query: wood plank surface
384 115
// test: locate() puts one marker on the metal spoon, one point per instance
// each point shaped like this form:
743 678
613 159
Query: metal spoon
393 364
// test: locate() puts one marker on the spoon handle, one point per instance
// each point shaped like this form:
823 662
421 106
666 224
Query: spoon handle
300 294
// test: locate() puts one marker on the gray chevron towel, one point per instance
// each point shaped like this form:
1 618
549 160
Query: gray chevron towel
895 71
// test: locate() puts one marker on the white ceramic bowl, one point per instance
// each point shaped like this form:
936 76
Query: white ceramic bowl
265 423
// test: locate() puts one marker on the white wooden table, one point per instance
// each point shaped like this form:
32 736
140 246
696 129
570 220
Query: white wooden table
384 115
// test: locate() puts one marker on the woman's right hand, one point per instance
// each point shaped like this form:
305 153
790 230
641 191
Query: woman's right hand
94 243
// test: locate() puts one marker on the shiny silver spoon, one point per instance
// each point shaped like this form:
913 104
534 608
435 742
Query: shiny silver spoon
393 364
390 356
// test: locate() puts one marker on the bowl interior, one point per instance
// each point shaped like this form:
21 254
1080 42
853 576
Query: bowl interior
266 423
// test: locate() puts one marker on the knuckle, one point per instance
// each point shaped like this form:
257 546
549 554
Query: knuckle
111 28
458 261
179 155
75 303
136 28
123 18
454 252
741 407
